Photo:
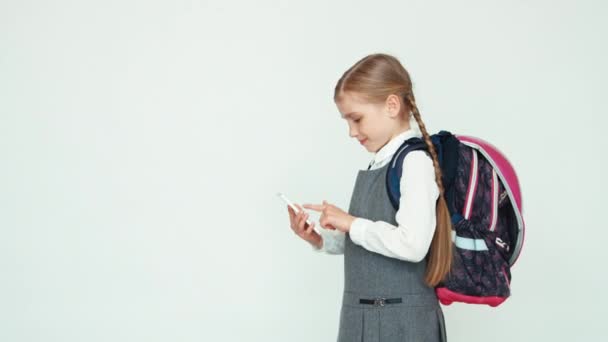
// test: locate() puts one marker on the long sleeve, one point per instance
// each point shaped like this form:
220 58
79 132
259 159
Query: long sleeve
416 217
333 241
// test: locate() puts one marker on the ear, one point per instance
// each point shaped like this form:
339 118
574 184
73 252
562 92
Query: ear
393 105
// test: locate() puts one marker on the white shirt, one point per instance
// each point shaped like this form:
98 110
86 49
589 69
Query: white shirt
416 217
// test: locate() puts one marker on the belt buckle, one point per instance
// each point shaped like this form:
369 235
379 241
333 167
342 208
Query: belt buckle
379 301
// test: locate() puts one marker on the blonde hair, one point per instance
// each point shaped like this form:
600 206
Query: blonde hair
375 77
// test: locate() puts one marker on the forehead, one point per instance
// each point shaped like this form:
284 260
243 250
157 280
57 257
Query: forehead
350 104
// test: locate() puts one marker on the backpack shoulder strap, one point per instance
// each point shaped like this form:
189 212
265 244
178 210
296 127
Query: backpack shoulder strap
394 170
446 145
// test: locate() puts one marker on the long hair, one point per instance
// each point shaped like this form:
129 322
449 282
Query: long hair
375 77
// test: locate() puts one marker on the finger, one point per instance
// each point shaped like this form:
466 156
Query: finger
299 220
294 218
327 224
299 207
303 216
293 222
317 207
304 224
310 228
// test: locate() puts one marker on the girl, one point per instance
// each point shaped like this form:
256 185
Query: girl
392 259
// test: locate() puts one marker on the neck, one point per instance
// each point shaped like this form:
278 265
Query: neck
402 128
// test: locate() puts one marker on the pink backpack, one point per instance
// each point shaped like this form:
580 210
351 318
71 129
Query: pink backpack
484 198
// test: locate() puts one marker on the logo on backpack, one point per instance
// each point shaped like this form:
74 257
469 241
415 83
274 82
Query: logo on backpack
484 198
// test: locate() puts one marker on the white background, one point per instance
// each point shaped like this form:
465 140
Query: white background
142 144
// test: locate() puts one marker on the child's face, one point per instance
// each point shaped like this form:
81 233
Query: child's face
373 124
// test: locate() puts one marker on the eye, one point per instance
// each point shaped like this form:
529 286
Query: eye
357 120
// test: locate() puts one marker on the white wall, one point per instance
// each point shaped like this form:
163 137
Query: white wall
142 144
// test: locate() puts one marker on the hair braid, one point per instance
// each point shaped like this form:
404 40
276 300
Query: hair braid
427 139
440 260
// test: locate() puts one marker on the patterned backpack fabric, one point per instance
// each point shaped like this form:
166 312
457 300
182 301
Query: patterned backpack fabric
484 199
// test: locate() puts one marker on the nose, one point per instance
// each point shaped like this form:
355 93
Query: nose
352 132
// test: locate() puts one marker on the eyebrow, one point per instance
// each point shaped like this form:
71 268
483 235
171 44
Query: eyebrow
348 114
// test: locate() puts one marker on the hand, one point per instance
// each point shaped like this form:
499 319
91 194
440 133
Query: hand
332 217
301 228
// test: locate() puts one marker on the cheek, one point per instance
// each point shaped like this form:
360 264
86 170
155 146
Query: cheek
364 132
369 131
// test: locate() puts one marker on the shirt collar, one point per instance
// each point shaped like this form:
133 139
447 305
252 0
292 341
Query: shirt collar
391 147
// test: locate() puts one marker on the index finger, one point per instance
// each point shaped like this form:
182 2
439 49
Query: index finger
317 207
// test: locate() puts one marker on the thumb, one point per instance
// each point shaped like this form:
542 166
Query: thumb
327 223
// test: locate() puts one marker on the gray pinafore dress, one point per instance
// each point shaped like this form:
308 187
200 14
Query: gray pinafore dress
370 276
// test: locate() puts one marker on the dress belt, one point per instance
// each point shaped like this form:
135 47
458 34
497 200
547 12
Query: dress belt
360 298
380 301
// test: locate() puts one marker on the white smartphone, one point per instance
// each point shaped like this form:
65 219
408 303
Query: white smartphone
295 209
